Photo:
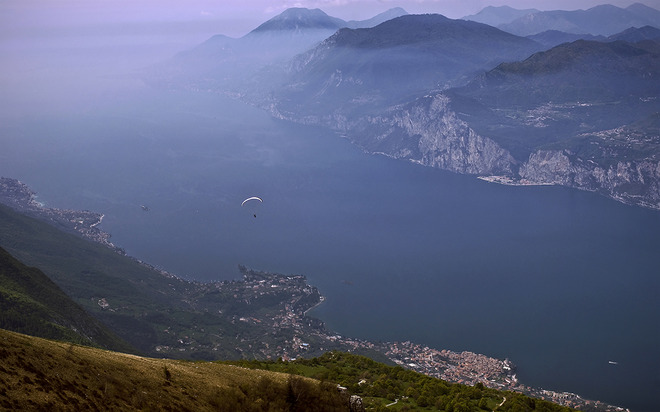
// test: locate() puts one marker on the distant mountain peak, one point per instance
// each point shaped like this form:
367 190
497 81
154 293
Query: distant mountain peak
300 13
607 7
640 6
298 18
378 19
635 34
394 10
496 15
552 38
642 10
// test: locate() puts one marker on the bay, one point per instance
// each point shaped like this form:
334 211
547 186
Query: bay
557 280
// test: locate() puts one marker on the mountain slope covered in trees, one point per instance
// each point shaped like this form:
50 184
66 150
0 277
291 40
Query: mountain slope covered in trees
31 303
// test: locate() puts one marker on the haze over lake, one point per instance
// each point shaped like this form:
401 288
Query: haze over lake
559 281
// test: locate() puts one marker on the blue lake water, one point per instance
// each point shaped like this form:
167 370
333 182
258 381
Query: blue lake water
559 281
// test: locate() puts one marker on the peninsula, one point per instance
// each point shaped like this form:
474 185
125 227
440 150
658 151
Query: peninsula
21 198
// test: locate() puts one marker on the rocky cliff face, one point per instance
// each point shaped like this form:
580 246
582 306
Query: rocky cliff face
634 182
428 132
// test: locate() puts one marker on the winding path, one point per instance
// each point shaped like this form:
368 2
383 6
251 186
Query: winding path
503 400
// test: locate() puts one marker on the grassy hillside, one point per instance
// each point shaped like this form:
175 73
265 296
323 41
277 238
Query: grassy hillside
37 374
31 303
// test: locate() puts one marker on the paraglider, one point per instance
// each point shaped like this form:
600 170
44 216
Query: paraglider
251 199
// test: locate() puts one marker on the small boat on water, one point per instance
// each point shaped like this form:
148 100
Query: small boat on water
612 362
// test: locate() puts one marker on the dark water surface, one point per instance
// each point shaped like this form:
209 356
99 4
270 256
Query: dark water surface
558 281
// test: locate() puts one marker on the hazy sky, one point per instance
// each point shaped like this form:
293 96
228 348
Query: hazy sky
236 17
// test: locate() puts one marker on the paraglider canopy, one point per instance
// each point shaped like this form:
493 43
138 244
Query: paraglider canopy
251 198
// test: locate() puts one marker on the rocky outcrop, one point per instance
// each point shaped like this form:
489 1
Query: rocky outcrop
428 132
356 404
634 182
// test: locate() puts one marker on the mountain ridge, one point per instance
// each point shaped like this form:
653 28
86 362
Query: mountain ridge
552 38
496 15
368 69
599 20
634 34
377 19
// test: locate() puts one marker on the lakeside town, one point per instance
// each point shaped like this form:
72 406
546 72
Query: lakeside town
306 337
511 181
294 333
20 197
